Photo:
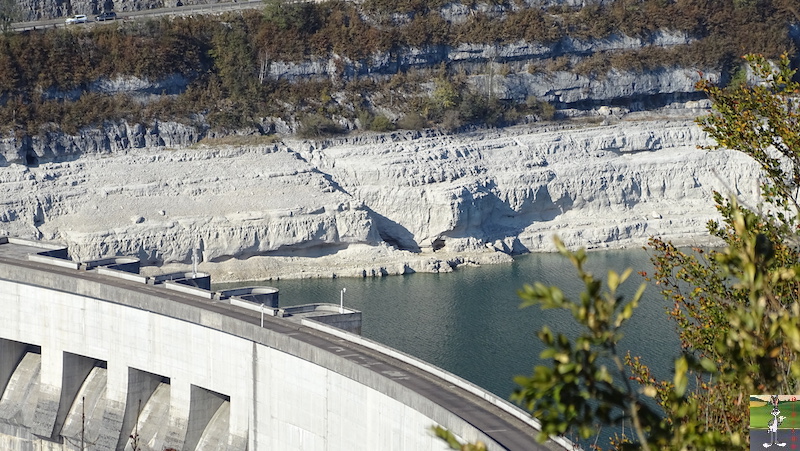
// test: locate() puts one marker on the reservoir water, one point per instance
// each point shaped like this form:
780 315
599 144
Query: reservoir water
469 321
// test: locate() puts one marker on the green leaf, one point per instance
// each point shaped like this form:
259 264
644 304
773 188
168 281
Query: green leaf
447 436
548 353
625 314
681 380
613 280
565 367
708 365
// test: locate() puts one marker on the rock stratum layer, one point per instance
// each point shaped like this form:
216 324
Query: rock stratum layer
378 204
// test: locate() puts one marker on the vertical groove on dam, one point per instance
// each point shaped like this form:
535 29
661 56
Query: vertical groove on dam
18 403
141 388
84 423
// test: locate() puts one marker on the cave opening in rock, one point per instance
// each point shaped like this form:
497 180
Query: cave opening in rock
31 159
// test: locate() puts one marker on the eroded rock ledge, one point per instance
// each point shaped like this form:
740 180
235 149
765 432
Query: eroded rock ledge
376 205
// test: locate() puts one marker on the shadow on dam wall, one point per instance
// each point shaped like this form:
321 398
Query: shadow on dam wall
85 418
94 355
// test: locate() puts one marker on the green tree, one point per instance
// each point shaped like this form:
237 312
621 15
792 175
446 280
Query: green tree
381 123
736 308
446 95
317 126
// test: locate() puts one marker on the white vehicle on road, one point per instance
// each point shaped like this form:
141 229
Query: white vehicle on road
78 18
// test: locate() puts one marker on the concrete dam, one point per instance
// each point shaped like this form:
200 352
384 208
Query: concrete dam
95 356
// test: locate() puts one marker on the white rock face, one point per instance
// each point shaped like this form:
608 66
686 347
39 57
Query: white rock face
379 204
158 205
515 188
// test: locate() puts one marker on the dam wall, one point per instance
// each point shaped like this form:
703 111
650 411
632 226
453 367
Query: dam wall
89 361
286 402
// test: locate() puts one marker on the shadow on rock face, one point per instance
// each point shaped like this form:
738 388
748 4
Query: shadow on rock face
393 233
31 160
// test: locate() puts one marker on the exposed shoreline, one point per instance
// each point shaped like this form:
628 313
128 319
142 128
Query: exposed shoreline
346 208
365 262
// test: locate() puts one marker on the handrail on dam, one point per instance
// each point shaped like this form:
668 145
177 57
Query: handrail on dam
256 381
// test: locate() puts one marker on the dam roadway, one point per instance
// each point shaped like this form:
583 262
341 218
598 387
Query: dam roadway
502 428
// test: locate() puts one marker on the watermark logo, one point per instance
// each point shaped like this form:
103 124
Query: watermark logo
773 422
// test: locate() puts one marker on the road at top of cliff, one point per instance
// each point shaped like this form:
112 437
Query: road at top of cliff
186 10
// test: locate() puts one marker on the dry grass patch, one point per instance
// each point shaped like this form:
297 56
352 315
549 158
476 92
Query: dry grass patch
240 140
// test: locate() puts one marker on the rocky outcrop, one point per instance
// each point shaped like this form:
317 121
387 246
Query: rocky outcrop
522 51
110 138
378 204
512 190
511 71
518 70
160 205
575 94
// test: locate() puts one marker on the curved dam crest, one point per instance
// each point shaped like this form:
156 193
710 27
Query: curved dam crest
95 355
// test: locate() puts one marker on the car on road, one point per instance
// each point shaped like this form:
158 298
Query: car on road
108 15
78 18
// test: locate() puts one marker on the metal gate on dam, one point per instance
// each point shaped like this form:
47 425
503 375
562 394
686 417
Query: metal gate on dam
95 356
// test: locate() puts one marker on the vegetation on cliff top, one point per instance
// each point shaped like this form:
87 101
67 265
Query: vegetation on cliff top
47 76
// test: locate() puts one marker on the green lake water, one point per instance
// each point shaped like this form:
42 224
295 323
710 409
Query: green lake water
469 321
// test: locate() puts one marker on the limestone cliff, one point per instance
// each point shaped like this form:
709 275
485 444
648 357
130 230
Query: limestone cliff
378 204
516 71
512 189
111 138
